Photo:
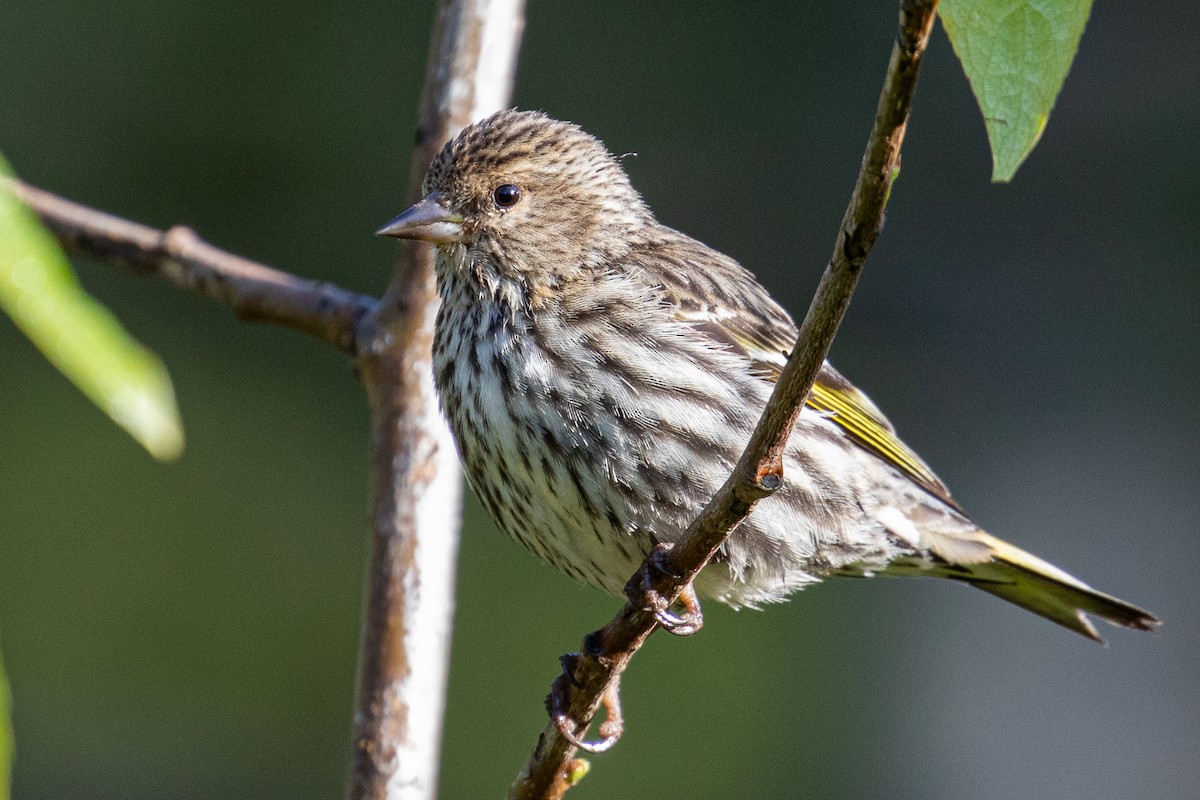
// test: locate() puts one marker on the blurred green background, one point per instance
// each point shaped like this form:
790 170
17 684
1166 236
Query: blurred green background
190 630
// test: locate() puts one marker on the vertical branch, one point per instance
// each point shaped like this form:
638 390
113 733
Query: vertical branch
416 503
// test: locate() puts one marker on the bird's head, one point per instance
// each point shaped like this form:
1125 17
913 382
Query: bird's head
528 193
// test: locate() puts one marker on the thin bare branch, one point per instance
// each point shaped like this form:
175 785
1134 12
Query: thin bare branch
416 500
605 653
255 292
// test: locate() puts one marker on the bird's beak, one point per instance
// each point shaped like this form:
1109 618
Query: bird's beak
430 220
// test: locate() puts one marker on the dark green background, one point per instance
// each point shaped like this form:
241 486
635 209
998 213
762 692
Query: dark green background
189 631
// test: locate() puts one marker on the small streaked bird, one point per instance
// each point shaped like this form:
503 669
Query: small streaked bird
602 373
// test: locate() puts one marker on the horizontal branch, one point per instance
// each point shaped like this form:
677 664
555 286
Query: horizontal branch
759 471
255 292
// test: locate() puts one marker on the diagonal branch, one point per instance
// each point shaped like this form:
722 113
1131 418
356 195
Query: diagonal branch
254 291
551 768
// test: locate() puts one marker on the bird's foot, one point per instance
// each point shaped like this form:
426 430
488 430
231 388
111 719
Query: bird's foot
690 617
558 703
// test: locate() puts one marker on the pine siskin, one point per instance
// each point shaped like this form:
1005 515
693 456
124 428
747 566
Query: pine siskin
602 373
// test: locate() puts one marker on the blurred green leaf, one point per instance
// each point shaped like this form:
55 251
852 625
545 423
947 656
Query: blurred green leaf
1016 54
80 336
6 737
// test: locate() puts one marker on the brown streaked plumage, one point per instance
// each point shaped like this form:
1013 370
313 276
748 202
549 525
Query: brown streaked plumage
602 372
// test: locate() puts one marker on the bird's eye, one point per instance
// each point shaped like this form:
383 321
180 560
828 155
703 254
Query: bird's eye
506 196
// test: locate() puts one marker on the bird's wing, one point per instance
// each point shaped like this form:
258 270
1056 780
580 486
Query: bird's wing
866 425
722 299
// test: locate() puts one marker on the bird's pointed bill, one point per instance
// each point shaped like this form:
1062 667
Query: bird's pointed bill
430 220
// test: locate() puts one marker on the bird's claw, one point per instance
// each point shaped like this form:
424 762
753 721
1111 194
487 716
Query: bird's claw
641 590
689 621
558 704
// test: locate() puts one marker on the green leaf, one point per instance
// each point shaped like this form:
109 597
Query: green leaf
6 737
79 335
1016 54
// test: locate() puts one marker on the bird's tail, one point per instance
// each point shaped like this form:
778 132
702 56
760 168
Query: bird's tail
1038 586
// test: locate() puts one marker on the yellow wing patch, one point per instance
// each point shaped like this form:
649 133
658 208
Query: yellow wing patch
850 409
733 309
